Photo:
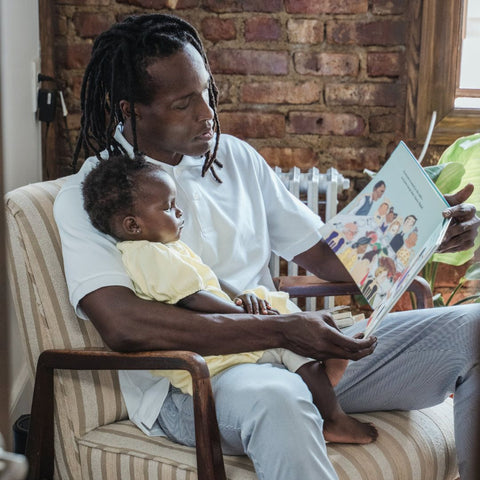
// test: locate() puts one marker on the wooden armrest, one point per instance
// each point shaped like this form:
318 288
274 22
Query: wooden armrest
300 286
40 447
311 286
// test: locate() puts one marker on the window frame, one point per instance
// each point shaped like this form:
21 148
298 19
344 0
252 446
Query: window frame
438 52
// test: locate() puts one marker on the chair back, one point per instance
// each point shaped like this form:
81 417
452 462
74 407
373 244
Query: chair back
84 400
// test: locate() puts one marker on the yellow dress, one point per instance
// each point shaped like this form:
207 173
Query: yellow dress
169 272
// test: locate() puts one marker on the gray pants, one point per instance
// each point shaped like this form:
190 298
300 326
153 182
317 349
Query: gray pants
421 358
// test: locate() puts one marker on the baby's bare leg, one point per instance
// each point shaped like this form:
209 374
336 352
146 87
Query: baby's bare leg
335 367
338 426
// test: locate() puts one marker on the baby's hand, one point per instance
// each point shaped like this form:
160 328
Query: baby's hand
253 304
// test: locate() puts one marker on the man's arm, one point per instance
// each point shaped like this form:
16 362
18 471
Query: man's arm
323 262
128 323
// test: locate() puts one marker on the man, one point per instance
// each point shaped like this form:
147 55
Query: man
148 88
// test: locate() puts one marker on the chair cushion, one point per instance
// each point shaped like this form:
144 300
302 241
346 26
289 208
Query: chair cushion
411 446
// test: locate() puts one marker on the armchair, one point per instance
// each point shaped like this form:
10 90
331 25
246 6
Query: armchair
79 424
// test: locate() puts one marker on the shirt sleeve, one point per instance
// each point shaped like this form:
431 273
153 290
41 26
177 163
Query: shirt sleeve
293 227
159 273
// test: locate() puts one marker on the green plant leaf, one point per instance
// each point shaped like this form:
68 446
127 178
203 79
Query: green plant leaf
471 299
447 177
433 171
473 272
450 177
466 151
438 300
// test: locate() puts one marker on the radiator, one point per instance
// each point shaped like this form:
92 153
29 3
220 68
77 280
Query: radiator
314 189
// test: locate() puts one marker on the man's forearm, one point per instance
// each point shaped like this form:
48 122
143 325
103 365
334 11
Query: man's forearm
322 262
128 323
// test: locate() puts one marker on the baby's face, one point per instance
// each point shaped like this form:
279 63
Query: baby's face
158 217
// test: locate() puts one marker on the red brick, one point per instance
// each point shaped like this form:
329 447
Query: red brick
326 6
325 123
385 123
286 158
73 88
248 62
92 24
388 64
374 94
326 63
224 91
76 55
228 6
262 28
386 32
305 31
281 92
253 125
216 29
172 4
61 25
389 7
356 159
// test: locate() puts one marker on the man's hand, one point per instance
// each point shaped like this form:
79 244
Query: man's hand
253 304
315 335
463 229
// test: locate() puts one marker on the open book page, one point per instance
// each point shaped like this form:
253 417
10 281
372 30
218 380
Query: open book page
387 233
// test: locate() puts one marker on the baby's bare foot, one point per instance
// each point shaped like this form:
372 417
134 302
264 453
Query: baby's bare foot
346 429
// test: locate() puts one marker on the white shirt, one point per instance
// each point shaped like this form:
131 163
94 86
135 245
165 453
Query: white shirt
233 226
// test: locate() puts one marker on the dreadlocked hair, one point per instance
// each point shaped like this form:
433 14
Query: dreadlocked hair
111 188
118 71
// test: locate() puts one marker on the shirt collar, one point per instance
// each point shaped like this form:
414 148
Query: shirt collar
186 161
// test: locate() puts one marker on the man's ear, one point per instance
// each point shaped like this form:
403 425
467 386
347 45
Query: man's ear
125 108
131 226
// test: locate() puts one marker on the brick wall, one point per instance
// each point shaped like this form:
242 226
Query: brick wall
306 82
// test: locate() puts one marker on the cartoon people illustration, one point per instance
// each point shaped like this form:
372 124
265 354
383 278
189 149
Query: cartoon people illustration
404 253
365 202
397 241
376 284
389 218
381 213
336 240
350 255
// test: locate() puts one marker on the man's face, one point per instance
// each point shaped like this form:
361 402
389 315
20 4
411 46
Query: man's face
378 192
409 223
350 231
179 120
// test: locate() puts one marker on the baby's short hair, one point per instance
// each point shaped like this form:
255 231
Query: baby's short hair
110 188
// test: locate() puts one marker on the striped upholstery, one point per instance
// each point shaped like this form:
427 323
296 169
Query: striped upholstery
93 437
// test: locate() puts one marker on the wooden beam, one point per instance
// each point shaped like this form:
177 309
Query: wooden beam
46 13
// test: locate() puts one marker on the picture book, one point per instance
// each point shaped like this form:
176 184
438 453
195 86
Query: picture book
387 233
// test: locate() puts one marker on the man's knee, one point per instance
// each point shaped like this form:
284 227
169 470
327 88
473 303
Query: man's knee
265 388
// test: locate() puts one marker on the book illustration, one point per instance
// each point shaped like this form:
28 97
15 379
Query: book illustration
389 231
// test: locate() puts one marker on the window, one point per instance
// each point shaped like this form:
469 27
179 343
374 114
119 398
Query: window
468 88
438 27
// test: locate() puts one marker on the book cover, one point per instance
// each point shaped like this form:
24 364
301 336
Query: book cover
387 233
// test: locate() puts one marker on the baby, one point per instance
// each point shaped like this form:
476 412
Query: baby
134 201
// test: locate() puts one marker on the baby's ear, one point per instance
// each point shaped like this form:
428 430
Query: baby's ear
130 225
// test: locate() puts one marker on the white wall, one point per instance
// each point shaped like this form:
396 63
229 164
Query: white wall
20 48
